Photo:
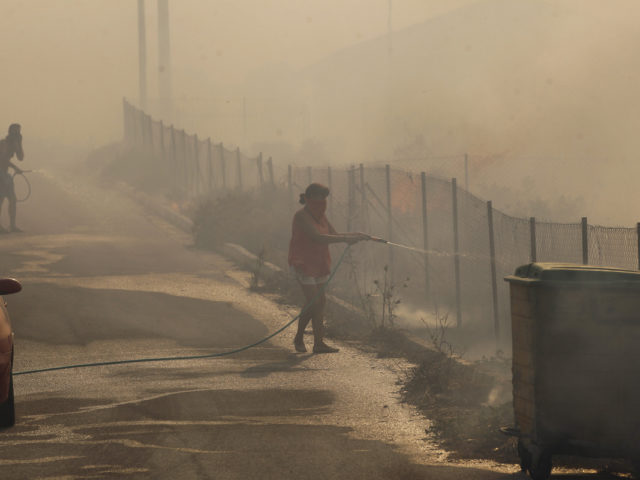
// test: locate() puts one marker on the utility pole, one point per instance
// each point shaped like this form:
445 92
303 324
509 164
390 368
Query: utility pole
164 60
389 86
390 46
142 55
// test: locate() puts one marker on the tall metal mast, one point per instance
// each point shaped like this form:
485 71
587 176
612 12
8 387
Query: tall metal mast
164 59
142 55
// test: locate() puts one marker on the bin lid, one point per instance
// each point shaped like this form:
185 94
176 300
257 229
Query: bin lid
573 273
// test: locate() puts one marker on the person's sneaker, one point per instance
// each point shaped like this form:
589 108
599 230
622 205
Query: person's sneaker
3 230
15 229
299 346
324 348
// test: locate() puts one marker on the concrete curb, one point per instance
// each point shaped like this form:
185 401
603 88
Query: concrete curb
248 260
157 208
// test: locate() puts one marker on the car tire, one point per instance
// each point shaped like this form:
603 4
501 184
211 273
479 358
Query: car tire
7 408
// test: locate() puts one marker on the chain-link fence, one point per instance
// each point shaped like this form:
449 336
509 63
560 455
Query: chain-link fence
453 248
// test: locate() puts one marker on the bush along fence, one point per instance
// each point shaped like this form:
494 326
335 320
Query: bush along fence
457 247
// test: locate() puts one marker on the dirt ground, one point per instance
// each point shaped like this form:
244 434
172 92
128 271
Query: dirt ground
466 402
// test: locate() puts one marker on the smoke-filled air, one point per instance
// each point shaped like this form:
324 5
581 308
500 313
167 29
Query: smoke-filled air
540 94
319 239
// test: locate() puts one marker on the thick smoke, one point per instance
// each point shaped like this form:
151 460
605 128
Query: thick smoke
540 94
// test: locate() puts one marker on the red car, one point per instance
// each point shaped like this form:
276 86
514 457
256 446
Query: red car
7 409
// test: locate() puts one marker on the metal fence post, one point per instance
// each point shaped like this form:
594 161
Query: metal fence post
532 236
131 119
260 173
364 223
290 185
188 151
139 120
133 125
163 150
466 172
387 168
143 130
150 128
239 165
330 196
494 282
209 164
456 253
585 241
638 234
174 161
183 138
196 164
223 167
270 170
146 125
350 197
425 237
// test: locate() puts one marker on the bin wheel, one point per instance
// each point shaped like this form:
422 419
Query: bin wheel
524 455
540 468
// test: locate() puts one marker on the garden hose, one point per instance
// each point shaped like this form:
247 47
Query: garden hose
194 357
26 181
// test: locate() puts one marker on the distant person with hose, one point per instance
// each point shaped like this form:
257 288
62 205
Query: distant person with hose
310 261
10 146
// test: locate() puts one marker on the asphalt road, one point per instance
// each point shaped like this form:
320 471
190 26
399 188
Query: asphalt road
103 280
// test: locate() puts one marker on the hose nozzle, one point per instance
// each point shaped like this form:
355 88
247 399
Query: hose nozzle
378 239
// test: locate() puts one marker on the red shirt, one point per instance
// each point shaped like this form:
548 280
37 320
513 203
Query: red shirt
310 258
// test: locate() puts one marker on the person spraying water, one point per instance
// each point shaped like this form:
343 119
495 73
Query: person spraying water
310 261
10 146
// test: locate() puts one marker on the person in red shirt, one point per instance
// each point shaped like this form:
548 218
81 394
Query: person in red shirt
310 261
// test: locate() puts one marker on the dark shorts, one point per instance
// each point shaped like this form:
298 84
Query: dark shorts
305 280
6 185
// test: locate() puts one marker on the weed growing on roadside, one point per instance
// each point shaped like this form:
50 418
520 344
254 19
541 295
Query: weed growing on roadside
387 290
438 334
438 372
384 290
257 272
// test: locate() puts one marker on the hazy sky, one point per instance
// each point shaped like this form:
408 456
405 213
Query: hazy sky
554 79
68 63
